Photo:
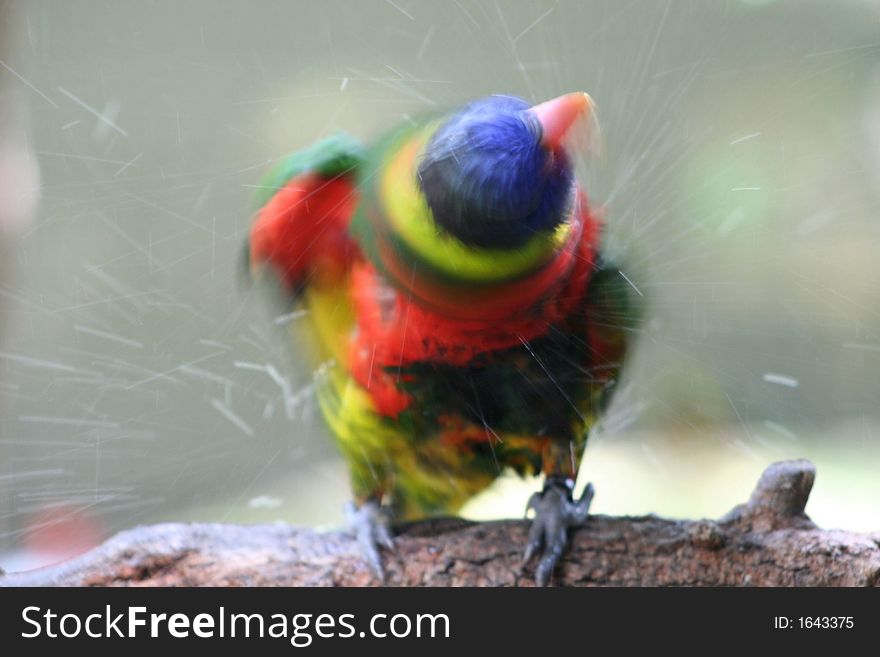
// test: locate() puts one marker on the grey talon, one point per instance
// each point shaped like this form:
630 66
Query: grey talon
555 512
370 526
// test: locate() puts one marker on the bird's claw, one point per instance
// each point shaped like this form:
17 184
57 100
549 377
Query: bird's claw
370 526
555 511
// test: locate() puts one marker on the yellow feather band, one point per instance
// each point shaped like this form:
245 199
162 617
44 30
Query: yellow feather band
411 219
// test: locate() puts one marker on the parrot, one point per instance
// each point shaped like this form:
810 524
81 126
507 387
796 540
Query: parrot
463 318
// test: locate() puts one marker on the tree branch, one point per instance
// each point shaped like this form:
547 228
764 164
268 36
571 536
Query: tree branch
768 541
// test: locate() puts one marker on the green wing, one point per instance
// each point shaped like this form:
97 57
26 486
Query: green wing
329 157
615 315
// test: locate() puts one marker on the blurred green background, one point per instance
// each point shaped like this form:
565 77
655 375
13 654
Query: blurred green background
142 381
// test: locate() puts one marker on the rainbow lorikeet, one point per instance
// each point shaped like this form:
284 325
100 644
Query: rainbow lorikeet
453 276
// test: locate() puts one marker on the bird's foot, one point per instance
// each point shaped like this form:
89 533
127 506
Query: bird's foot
369 524
555 512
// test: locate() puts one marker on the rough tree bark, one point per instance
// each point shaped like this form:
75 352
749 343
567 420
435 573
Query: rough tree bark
768 541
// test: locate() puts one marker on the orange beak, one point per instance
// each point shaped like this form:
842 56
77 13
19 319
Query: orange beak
557 116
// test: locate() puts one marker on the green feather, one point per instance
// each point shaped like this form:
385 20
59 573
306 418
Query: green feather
330 157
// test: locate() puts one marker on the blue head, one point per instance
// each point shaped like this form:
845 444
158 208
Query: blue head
494 174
